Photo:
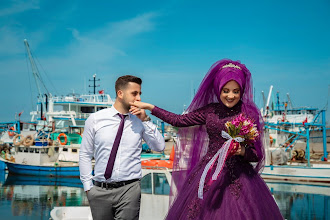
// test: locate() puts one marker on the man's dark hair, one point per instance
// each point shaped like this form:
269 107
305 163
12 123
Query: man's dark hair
122 82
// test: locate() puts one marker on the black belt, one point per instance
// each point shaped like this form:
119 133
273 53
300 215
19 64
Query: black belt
114 184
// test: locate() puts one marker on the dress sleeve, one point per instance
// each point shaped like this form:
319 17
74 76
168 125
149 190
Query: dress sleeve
251 154
196 117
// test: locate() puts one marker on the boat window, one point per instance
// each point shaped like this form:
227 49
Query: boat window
20 149
42 151
100 108
65 149
31 150
26 150
146 187
46 150
74 150
37 150
87 109
56 149
161 185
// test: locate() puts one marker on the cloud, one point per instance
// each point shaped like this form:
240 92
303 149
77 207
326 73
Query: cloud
95 48
115 33
18 6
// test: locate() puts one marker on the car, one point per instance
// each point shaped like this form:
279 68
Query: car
167 136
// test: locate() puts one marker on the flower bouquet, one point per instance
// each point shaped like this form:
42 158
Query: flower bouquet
243 128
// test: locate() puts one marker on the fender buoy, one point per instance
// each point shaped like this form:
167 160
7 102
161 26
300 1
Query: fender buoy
65 139
271 140
16 142
28 141
11 131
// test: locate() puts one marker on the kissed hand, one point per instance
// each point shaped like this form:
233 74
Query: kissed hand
141 105
140 113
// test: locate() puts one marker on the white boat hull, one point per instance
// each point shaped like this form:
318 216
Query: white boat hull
317 173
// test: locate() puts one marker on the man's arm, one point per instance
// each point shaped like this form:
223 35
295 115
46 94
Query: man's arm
86 154
152 136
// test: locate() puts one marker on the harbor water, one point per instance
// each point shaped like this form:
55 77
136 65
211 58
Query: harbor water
23 197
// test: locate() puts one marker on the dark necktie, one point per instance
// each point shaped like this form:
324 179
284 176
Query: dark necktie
112 158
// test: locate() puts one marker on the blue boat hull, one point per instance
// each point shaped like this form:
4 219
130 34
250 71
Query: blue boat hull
2 165
43 181
22 169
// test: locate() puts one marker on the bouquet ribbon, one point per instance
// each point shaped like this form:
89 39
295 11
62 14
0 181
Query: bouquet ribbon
222 156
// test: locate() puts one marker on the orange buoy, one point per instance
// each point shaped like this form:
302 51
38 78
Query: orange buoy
11 131
65 139
172 154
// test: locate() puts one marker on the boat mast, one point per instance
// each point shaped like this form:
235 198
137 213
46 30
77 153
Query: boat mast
36 76
268 99
289 101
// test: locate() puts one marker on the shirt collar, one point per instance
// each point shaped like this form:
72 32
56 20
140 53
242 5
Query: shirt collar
114 111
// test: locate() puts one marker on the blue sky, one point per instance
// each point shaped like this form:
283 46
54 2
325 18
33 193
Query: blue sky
169 44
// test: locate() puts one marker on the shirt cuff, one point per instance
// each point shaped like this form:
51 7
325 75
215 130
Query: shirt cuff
88 185
148 125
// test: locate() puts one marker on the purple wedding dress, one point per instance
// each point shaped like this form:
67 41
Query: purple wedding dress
238 193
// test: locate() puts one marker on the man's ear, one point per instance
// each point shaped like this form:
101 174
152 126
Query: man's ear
120 94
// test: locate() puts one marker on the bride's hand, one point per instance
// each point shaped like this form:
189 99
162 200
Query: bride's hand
240 151
141 105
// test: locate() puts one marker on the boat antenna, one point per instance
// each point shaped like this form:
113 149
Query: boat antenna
94 85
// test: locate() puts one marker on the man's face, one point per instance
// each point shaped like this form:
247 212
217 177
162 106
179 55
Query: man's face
131 93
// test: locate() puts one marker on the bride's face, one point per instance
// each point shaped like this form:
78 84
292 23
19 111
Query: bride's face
230 94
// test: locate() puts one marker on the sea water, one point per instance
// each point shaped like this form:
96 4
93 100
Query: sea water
24 197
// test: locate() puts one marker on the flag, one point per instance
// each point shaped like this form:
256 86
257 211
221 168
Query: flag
101 91
305 121
19 114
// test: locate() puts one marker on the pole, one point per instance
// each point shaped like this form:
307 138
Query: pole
324 132
307 147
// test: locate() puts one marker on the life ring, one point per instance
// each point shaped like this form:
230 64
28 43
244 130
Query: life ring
11 131
65 139
16 142
28 141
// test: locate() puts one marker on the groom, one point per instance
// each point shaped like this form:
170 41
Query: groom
113 137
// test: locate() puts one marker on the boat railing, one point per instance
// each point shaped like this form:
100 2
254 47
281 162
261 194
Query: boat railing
96 98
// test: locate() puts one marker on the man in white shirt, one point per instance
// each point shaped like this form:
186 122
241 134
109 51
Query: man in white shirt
113 137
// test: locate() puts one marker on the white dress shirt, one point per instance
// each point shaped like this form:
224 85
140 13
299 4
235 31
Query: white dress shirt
99 134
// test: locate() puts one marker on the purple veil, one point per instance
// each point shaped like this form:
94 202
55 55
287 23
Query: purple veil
193 141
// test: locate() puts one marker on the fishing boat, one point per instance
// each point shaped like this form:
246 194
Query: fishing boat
289 133
63 113
40 161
